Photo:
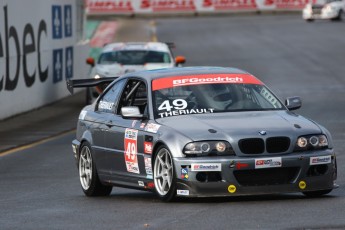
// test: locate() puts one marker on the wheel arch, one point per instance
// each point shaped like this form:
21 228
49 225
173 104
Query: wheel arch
85 138
155 148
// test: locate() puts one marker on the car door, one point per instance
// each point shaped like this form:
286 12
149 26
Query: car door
105 109
124 138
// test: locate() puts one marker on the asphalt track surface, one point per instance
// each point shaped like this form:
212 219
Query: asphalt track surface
39 186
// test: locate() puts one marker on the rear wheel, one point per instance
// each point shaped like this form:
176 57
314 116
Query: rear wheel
317 193
164 174
88 176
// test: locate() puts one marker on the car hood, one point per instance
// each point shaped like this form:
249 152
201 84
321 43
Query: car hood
238 125
114 70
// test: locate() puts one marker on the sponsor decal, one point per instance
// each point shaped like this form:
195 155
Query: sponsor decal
97 6
131 157
82 115
184 112
57 65
167 5
148 165
104 105
288 4
240 165
141 183
302 185
142 125
69 62
62 28
268 162
232 188
207 167
229 4
148 147
183 192
171 82
150 185
152 128
320 160
179 108
184 173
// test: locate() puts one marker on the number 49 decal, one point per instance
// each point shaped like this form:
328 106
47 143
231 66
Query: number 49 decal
176 104
131 158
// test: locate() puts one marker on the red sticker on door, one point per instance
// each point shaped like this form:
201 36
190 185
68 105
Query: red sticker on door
131 150
148 147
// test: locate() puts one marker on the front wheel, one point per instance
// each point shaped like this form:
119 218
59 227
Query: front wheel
88 175
317 193
164 174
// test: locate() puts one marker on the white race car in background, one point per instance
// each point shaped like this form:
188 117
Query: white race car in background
119 58
328 9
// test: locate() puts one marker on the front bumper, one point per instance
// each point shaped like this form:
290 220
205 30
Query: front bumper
234 176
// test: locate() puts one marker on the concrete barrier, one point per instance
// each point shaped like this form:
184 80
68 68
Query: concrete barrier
39 49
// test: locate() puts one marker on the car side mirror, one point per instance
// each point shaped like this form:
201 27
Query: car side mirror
180 60
293 103
90 61
130 112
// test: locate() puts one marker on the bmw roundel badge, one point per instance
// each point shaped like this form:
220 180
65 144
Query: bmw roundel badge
262 133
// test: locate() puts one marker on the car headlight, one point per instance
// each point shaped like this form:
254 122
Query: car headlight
97 76
208 148
311 142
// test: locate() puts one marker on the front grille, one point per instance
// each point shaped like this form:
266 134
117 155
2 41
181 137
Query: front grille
258 145
269 176
252 146
277 144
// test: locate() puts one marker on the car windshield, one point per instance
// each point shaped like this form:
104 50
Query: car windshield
134 57
211 97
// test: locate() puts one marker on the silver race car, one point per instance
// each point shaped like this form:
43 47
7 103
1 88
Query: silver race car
199 132
119 58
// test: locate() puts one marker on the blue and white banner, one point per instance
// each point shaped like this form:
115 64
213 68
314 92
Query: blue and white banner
38 52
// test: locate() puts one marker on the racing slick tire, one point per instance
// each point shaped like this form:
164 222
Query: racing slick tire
88 175
164 174
317 193
309 20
